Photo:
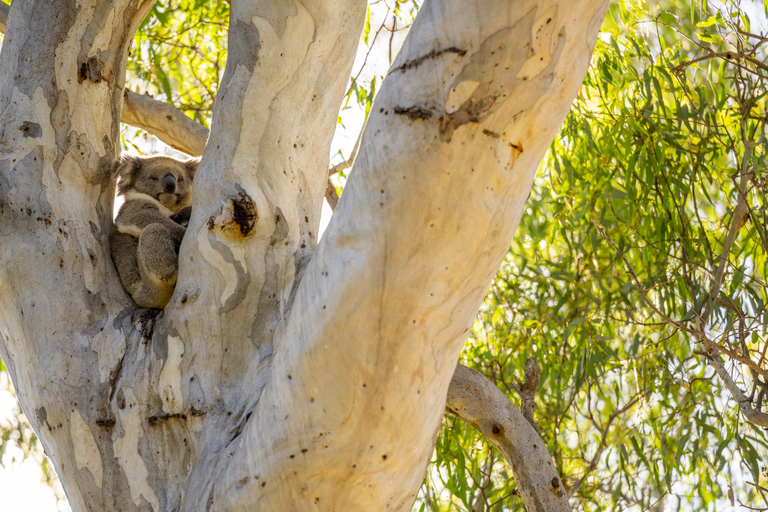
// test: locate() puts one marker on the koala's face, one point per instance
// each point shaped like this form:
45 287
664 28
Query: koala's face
164 178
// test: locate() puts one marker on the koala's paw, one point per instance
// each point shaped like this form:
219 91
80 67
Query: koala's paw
181 217
157 255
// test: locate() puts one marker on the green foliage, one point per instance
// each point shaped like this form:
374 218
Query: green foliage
179 54
611 280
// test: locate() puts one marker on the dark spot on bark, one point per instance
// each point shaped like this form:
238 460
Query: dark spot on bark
195 412
263 484
414 112
106 423
114 375
555 482
209 503
90 70
497 430
414 63
384 457
245 214
29 129
304 450
154 420
491 134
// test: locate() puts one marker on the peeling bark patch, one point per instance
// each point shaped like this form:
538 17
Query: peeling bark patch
86 450
244 42
30 129
169 384
90 70
42 417
268 310
414 112
126 450
235 290
414 63
542 45
472 111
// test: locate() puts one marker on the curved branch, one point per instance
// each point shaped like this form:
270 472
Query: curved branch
476 400
164 121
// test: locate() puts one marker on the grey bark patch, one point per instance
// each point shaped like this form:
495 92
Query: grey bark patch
5 187
268 309
62 123
243 278
414 63
48 24
42 415
244 45
160 347
97 314
30 129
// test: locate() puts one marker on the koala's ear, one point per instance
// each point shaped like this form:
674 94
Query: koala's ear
191 166
126 169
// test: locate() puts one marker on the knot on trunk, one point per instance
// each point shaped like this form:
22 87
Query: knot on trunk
237 217
94 70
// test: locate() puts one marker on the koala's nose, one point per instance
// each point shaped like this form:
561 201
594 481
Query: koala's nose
169 182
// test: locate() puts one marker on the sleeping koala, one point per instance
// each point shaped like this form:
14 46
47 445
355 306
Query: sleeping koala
148 229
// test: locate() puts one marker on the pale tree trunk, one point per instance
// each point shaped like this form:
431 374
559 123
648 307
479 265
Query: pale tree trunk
282 375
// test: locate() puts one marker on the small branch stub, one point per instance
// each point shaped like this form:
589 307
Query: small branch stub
238 216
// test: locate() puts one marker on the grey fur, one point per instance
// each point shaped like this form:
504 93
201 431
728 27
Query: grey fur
148 230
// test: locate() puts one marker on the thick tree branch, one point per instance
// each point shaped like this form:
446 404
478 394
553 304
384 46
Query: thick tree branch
62 71
164 121
440 182
477 401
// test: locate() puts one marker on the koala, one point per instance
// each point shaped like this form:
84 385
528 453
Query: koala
150 225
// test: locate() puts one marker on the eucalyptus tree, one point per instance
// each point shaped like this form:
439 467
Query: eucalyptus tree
284 374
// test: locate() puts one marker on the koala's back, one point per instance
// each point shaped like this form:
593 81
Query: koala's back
124 254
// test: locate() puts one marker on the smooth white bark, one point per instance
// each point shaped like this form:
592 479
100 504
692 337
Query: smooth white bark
62 307
445 167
